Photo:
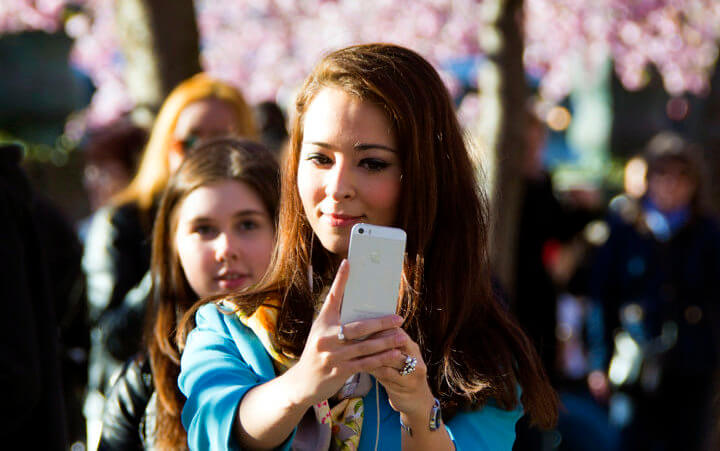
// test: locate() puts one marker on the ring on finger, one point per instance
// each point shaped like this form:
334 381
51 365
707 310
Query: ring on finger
409 368
341 333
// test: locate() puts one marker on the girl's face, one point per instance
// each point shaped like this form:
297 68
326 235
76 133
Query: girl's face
349 169
224 237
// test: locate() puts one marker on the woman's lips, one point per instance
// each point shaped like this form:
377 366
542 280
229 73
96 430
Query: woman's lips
336 220
232 281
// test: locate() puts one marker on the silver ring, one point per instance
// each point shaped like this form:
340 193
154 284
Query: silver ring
409 368
341 334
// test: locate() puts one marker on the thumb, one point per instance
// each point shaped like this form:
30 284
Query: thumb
331 307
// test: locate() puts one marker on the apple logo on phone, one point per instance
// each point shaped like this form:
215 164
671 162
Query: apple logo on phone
375 257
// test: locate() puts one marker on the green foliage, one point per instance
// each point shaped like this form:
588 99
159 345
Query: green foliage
57 154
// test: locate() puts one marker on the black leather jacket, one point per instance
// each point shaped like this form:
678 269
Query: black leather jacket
130 409
116 257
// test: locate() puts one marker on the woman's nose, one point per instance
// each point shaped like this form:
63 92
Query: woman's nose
339 183
225 250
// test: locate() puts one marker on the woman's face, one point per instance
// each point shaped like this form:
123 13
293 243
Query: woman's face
671 187
201 119
349 169
224 237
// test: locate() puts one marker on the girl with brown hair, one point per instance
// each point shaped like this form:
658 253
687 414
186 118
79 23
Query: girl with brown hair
214 233
117 250
375 140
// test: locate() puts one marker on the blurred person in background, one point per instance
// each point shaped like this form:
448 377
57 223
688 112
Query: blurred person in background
39 268
545 262
214 233
270 121
111 154
546 225
117 250
656 282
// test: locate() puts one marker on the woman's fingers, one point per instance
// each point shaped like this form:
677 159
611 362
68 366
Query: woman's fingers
410 356
331 307
383 341
371 363
390 375
363 329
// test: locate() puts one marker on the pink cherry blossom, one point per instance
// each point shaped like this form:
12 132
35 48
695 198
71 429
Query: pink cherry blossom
678 37
266 47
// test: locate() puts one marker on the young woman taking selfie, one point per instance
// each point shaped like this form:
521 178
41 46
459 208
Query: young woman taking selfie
375 140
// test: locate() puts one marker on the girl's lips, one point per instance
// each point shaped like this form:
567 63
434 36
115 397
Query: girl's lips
342 220
232 281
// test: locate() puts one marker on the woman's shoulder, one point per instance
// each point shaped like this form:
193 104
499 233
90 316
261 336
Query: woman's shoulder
491 424
215 315
222 313
216 323
127 404
111 220
134 384
219 332
129 217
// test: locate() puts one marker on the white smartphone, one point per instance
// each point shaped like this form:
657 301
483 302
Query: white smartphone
376 257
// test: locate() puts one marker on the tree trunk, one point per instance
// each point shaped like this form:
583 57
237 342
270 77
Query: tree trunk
159 39
503 94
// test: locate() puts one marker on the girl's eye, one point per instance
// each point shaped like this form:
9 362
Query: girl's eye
319 159
373 164
205 231
247 225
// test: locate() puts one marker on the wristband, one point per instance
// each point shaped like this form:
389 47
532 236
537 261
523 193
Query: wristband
435 419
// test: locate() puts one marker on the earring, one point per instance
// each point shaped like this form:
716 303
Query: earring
310 268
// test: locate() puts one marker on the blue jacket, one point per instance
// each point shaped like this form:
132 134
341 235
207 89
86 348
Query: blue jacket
223 359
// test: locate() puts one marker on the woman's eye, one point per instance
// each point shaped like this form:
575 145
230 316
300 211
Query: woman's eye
205 231
188 142
319 159
244 226
373 164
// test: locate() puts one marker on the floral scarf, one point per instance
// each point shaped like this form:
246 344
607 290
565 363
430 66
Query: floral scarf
344 420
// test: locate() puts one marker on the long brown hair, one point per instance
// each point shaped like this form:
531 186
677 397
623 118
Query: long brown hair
216 160
154 171
473 348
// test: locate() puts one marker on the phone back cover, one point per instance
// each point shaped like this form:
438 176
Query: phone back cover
373 286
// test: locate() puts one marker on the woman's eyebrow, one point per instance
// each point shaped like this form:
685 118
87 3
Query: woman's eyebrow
359 146
248 212
364 146
319 144
239 213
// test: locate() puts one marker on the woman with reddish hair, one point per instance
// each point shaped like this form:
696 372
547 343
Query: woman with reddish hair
375 140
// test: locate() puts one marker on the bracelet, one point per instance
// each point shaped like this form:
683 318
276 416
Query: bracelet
405 428
435 419
435 416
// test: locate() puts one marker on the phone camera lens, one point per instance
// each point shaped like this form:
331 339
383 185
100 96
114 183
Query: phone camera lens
361 230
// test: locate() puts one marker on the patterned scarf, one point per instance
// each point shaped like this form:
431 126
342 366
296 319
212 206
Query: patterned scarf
345 419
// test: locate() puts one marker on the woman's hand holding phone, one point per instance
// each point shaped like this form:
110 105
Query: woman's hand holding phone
269 412
327 361
409 394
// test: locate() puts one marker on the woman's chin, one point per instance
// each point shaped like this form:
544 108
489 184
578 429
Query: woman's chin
336 244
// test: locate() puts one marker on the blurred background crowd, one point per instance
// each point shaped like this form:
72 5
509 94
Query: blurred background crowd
596 127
